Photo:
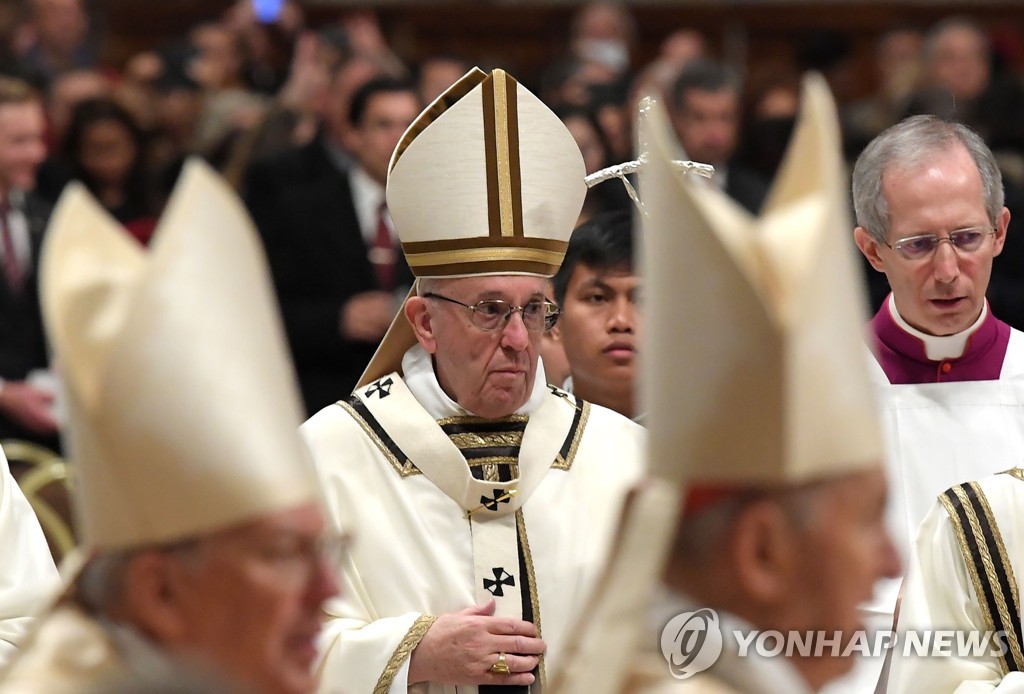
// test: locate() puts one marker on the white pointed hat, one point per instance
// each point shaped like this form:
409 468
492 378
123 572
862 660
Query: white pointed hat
756 366
182 400
486 181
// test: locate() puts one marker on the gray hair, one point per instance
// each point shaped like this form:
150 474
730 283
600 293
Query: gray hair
101 584
907 145
707 532
428 285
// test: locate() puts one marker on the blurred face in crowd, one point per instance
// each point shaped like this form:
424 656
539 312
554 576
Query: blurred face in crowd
246 600
489 373
347 80
22 148
388 114
707 124
943 293
61 24
436 75
69 90
599 330
108 152
958 60
219 62
899 60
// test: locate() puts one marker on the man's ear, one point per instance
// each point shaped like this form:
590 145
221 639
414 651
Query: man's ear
555 333
765 551
418 314
869 247
1002 224
154 594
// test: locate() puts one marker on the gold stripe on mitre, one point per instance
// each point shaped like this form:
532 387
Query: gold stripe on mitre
501 145
478 256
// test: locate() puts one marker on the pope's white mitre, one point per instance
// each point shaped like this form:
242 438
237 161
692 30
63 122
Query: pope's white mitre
487 180
755 367
182 400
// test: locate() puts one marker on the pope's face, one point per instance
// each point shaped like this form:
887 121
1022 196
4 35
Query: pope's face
490 374
255 594
944 293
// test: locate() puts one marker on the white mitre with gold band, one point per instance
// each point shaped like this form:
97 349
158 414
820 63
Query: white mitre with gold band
183 408
486 181
755 369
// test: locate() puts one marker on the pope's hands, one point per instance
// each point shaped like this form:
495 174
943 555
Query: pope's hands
460 648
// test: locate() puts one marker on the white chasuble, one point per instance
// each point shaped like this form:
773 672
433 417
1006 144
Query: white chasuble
28 578
452 511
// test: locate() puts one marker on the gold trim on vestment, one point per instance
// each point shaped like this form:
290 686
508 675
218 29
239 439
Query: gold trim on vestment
466 440
480 255
409 642
986 560
566 463
1004 561
404 469
524 542
1016 472
469 419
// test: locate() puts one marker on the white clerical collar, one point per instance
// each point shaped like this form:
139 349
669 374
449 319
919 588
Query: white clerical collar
939 347
418 374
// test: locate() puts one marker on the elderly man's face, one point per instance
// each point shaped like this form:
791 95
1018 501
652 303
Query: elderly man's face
944 293
250 601
844 548
490 374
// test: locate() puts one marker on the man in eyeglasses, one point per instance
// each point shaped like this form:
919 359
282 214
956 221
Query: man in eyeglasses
484 499
198 509
929 203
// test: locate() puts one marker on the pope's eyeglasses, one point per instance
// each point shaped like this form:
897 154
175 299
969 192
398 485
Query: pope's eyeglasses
494 314
920 247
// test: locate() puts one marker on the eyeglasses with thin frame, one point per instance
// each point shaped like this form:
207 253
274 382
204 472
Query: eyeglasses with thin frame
494 314
294 557
920 247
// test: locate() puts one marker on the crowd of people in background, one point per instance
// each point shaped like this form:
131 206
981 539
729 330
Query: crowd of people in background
280 108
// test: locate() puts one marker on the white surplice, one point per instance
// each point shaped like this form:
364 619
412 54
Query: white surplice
28 577
394 480
939 594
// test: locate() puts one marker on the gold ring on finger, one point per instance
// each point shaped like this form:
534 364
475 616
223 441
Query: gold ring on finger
501 667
